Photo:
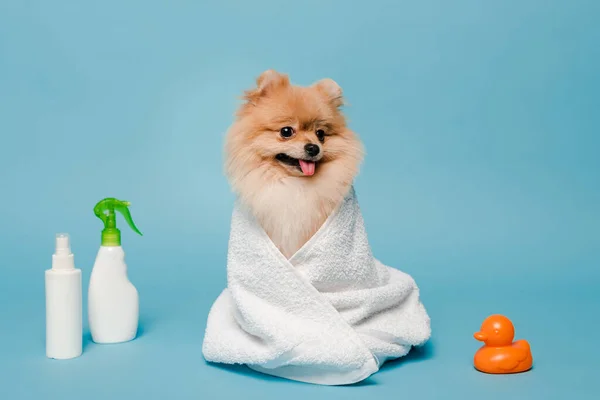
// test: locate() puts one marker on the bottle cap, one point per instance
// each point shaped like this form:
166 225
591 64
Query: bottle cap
62 257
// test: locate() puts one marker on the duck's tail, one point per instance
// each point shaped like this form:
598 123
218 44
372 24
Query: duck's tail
522 344
525 358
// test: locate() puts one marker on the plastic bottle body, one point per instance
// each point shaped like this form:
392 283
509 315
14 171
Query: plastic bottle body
63 313
113 301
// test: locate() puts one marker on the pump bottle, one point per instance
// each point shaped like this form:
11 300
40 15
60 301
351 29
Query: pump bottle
113 301
63 303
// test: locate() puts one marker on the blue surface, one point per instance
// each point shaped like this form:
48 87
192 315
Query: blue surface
482 178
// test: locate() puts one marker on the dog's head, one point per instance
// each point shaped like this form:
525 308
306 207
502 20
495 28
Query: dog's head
284 130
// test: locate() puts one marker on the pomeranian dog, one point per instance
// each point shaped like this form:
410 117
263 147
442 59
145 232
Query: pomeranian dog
290 156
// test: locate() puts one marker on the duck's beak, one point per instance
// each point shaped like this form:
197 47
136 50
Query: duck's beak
482 337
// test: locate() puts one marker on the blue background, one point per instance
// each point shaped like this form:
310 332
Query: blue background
482 178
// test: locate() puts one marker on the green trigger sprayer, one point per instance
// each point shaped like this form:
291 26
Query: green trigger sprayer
111 236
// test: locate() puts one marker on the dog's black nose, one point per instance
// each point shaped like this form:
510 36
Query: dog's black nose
312 149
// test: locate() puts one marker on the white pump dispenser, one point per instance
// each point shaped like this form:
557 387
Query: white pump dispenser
63 303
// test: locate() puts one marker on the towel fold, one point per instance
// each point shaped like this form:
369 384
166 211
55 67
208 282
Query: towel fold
332 314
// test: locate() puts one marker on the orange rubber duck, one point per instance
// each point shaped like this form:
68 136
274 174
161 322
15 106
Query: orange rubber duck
499 355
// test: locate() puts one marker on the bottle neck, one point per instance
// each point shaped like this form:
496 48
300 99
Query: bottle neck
111 237
63 262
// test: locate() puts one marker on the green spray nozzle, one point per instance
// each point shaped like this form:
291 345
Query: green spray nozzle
105 210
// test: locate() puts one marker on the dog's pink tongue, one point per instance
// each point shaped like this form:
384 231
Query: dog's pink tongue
308 167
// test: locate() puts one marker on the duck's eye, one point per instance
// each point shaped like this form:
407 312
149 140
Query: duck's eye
321 135
286 131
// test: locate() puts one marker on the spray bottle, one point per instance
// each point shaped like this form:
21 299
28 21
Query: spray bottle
63 303
113 301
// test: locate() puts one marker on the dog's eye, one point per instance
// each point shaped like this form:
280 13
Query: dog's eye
321 135
286 131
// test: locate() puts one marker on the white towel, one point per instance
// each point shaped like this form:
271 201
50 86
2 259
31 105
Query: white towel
332 314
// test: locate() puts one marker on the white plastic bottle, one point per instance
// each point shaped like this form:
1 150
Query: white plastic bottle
63 303
113 301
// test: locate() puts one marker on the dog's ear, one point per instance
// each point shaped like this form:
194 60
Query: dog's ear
271 78
331 90
267 81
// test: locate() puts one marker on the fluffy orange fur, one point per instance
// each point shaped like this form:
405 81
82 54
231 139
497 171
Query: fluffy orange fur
289 205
